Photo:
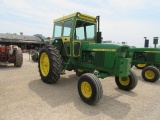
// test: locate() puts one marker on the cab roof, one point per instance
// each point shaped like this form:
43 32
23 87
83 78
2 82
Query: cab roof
77 14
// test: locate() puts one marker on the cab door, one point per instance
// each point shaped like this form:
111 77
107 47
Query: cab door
77 46
66 39
67 45
84 32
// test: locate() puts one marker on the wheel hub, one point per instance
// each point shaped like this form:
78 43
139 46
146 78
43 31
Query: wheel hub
124 81
44 64
86 89
149 74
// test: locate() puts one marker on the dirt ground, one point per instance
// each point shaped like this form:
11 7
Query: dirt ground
23 96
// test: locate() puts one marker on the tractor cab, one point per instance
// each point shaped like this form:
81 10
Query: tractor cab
72 31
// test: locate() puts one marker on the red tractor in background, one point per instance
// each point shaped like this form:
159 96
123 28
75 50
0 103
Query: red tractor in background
11 54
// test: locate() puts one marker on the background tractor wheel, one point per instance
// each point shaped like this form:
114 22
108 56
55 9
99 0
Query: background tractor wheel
141 66
49 64
150 74
18 58
81 72
127 83
90 88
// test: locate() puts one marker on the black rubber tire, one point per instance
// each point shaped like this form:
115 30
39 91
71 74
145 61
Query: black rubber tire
18 58
96 88
132 82
140 67
35 57
154 73
55 63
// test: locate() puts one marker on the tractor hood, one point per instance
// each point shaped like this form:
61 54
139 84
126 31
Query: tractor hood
102 46
153 50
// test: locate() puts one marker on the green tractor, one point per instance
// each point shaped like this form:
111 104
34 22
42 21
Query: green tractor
147 59
76 45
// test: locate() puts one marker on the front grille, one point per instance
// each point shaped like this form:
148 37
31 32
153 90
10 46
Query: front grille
151 57
99 59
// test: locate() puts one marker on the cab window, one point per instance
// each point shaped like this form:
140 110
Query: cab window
80 33
57 30
67 28
90 31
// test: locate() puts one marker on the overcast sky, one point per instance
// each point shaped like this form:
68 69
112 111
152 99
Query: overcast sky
121 20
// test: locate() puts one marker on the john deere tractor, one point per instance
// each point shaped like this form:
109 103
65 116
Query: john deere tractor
147 59
76 45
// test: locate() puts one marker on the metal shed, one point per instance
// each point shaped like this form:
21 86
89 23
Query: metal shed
23 41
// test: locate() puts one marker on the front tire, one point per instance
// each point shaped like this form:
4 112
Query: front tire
90 88
18 58
127 83
49 64
150 74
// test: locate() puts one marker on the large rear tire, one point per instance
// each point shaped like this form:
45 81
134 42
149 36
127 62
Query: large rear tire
49 64
150 74
90 88
18 58
127 83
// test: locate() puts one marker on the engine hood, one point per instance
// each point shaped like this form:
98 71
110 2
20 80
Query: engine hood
153 50
102 46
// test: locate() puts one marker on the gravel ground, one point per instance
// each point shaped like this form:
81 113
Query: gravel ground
23 96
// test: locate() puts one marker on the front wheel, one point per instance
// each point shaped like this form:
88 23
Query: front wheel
18 58
90 88
127 83
150 74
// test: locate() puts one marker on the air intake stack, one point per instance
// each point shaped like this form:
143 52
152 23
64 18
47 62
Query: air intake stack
99 34
146 43
155 41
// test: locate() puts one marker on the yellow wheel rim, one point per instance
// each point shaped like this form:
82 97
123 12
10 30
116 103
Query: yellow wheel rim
86 89
44 64
141 65
149 74
124 81
79 70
